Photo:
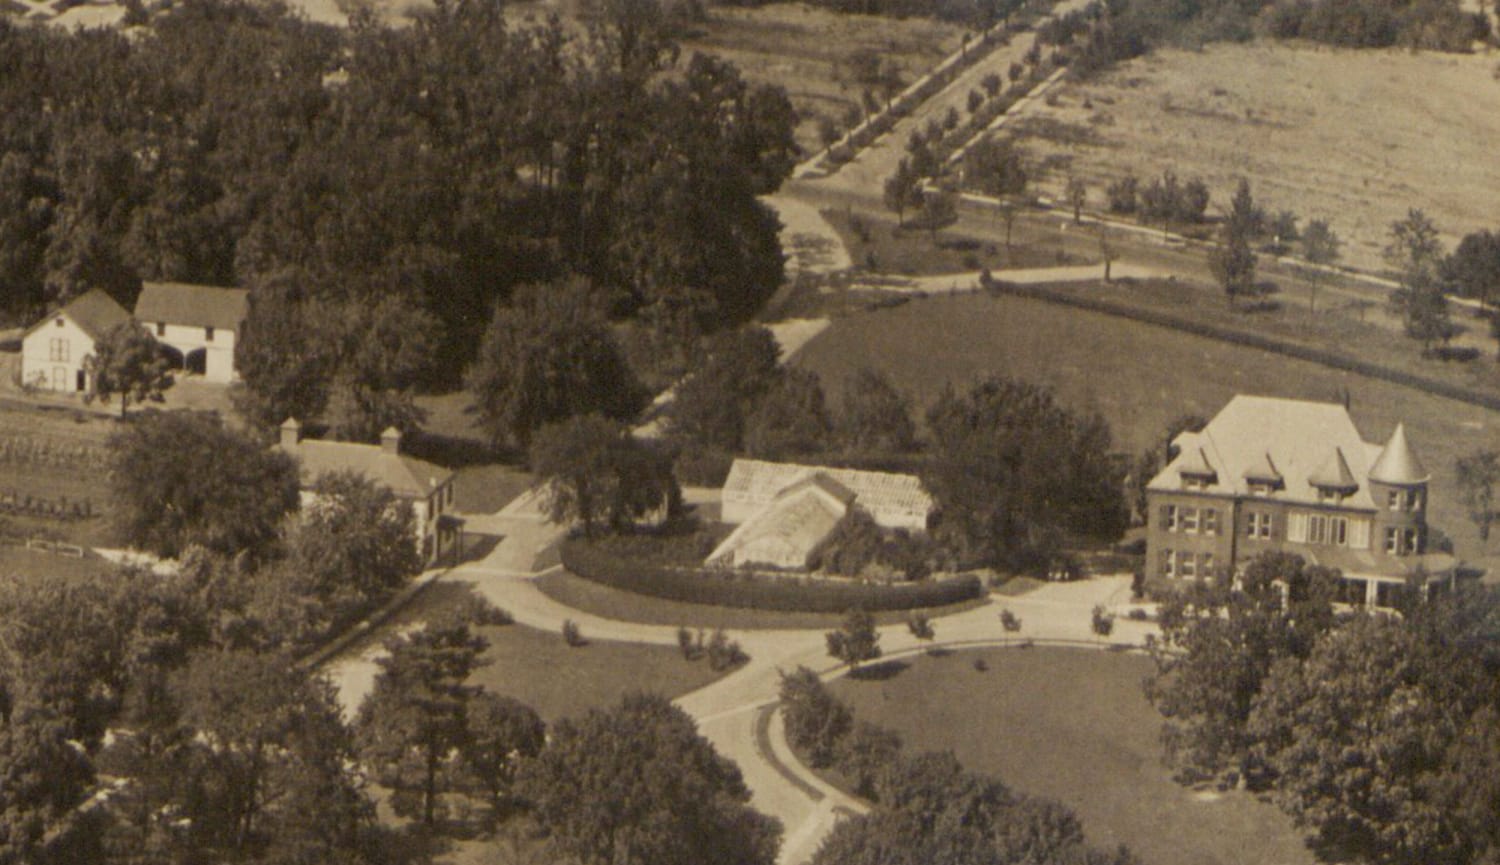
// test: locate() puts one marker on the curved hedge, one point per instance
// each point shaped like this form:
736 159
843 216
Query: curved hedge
784 594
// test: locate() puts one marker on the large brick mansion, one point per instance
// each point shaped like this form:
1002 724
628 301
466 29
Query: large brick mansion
1278 474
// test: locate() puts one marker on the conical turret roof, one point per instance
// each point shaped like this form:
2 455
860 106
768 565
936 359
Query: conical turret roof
1334 474
1397 463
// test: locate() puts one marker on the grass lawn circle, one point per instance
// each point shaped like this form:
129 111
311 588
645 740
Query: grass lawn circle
1072 725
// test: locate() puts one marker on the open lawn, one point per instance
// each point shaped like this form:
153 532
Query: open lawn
19 561
806 50
1139 377
1072 725
883 246
601 600
1355 137
542 671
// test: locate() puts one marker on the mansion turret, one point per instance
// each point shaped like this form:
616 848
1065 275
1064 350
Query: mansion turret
1277 474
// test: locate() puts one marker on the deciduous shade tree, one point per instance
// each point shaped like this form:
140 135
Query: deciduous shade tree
790 420
1416 252
995 167
874 417
1477 473
43 780
1473 269
931 810
714 402
1076 194
127 362
594 471
1218 644
1233 265
1012 471
856 641
549 355
1356 735
503 732
816 721
351 546
1320 248
637 784
416 715
184 478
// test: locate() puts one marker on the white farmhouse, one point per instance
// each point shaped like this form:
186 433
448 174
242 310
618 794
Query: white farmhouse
54 349
198 325
427 487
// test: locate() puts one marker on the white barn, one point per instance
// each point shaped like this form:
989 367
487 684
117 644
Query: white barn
54 349
197 323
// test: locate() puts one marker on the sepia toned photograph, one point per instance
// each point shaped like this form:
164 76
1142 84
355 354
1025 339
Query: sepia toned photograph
749 432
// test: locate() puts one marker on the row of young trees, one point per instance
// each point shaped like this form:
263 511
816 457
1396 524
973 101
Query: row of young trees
1377 733
381 189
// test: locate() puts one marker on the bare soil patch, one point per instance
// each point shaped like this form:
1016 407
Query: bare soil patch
1355 137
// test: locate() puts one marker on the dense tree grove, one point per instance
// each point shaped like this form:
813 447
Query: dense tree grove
436 166
1014 474
1375 732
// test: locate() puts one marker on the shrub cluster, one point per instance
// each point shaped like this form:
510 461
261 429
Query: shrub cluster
734 589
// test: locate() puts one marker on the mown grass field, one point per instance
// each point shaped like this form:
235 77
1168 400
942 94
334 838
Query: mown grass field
1073 725
1139 377
559 681
1355 137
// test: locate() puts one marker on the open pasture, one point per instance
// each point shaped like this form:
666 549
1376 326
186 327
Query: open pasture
1354 137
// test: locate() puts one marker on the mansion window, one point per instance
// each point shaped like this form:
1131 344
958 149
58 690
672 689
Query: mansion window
1400 542
1187 565
1258 525
1260 488
1190 520
57 349
1210 521
1324 529
1315 528
1169 518
1403 500
1329 496
1168 563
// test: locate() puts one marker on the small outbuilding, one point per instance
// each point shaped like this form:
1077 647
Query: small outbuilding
197 324
54 349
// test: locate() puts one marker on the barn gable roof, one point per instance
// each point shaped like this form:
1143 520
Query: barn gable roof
192 305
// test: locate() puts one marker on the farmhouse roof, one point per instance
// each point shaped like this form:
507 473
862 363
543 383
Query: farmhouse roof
93 311
885 495
1296 437
406 476
192 305
1397 463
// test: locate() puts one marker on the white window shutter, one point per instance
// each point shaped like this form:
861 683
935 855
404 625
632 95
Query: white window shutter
1296 527
1359 534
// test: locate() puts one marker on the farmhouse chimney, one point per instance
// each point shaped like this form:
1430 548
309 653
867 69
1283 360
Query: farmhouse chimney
291 432
390 441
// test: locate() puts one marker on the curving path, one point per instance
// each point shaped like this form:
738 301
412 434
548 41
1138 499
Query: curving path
731 712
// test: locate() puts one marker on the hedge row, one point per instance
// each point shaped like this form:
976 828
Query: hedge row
727 588
1253 340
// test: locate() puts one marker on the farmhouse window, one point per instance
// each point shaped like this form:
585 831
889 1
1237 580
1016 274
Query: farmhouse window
58 349
59 322
161 328
208 334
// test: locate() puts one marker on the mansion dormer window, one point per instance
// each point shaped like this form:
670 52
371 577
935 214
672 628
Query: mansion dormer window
1334 481
1195 471
1262 477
